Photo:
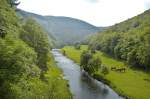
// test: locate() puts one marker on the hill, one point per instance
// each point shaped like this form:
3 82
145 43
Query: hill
128 40
65 30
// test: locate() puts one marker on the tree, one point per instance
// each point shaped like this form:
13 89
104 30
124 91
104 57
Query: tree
90 63
85 57
128 41
64 52
17 61
36 38
104 70
94 65
13 2
77 46
93 50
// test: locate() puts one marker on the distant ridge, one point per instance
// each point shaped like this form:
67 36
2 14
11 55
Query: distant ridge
65 30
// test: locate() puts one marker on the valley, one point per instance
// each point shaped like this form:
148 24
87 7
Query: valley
63 30
59 57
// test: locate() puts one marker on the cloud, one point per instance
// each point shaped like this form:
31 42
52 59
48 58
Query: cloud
92 1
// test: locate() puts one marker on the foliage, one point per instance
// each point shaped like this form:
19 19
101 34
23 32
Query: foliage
104 70
128 41
35 37
85 57
54 87
17 61
93 50
90 63
13 3
24 47
77 46
94 65
64 52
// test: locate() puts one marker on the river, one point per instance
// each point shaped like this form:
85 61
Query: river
81 85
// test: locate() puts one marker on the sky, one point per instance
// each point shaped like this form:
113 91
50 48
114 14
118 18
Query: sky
96 12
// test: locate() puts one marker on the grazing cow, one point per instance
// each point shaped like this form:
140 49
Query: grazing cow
113 68
121 69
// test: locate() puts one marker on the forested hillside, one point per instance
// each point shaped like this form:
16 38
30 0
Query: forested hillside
27 69
128 41
64 29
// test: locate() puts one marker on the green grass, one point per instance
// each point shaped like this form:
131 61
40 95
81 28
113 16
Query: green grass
74 54
132 83
59 86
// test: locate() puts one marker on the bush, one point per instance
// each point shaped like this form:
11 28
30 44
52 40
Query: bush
89 63
36 38
93 50
64 52
77 46
104 70
85 57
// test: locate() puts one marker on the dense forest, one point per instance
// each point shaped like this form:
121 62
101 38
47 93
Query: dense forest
27 68
128 41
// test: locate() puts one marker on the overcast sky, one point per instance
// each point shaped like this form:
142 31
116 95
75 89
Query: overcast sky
96 12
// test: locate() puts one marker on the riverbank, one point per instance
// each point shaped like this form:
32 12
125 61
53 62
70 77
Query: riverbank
58 87
134 84
82 85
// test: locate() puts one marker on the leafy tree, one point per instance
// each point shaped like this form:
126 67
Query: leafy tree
17 61
94 65
104 70
128 41
13 2
93 50
64 52
35 37
85 57
90 63
77 46
23 49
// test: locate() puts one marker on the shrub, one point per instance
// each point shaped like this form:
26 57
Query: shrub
104 70
89 63
77 46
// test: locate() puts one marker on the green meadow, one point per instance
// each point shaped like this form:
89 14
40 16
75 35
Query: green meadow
132 83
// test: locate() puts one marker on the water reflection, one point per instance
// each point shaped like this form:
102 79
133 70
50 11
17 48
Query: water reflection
93 84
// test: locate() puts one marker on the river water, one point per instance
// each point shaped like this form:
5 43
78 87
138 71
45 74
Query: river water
81 85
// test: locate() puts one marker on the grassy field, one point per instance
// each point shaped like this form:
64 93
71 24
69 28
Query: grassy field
133 83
